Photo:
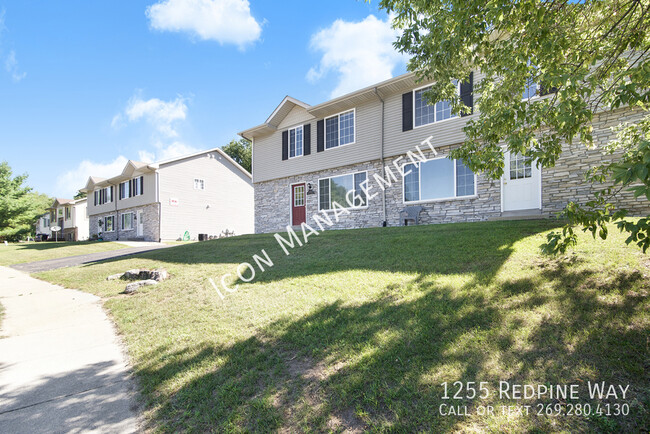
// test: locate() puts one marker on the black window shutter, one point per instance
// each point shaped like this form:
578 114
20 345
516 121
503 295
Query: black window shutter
285 145
320 136
142 185
407 111
306 139
543 91
467 93
131 189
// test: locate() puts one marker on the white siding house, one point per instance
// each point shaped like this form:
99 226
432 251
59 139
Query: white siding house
206 193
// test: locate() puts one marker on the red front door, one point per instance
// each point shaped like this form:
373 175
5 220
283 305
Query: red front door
298 212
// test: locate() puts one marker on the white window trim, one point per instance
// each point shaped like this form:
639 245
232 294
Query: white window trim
199 183
122 228
114 221
537 94
354 126
435 120
302 148
442 199
348 207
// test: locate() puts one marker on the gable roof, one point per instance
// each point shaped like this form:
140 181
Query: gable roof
336 105
137 167
207 151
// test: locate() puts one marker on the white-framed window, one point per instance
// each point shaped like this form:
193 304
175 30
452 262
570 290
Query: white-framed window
199 184
68 214
437 179
520 166
295 142
299 195
425 113
131 188
126 221
125 191
103 195
531 90
337 188
109 223
340 129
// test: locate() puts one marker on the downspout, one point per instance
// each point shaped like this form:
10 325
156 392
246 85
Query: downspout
381 159
116 222
157 181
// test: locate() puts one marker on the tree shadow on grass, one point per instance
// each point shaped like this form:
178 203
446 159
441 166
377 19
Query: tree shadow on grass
478 248
378 365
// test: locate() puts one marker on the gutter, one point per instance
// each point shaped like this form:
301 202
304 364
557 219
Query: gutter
381 158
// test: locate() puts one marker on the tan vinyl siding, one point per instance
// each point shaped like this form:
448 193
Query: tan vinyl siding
296 116
268 163
225 203
149 196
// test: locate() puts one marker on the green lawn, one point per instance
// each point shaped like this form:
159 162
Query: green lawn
30 252
358 329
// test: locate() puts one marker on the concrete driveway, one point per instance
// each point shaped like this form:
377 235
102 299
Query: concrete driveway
62 368
71 261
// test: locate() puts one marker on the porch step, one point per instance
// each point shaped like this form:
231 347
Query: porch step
135 239
521 214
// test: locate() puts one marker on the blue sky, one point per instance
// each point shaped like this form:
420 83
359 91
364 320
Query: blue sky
85 85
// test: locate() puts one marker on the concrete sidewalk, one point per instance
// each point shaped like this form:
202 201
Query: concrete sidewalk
61 364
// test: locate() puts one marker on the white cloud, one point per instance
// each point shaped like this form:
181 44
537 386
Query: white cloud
360 53
225 21
166 151
162 115
68 183
10 61
11 66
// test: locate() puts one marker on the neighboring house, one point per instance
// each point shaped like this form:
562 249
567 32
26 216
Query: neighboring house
307 157
203 193
43 225
70 215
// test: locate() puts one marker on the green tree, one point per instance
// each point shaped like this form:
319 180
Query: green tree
20 207
80 195
240 151
593 54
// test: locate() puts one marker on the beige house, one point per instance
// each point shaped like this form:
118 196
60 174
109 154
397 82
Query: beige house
206 193
71 216
307 158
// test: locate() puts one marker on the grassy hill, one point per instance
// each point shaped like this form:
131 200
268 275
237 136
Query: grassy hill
357 330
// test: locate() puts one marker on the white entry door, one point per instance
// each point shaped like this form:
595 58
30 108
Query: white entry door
140 226
520 184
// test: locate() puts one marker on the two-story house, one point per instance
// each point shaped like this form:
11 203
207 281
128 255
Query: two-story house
385 147
202 193
70 215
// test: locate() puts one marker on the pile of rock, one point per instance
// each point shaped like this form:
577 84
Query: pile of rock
141 278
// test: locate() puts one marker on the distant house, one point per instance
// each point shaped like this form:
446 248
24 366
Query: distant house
70 215
43 225
364 145
206 193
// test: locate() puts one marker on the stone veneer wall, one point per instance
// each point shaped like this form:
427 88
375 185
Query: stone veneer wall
273 200
560 184
566 181
151 224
